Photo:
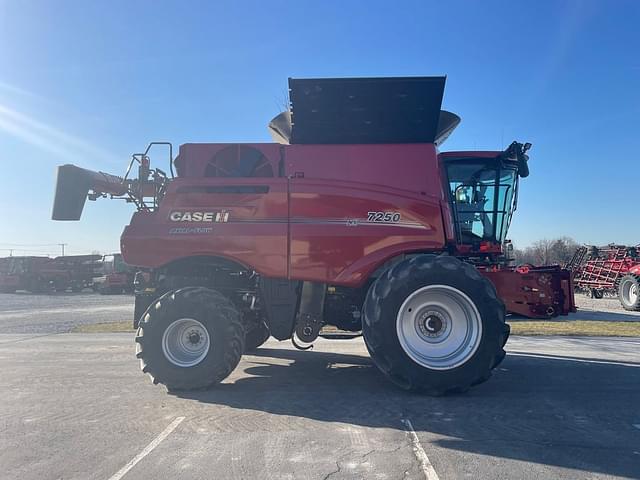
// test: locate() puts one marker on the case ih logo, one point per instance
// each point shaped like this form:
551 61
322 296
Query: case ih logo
177 216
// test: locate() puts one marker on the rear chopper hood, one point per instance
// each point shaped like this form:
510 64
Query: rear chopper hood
364 110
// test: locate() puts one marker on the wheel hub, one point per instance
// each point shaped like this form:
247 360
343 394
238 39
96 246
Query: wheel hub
194 337
185 342
439 327
431 324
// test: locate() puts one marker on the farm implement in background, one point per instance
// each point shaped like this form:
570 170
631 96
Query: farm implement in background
44 274
611 270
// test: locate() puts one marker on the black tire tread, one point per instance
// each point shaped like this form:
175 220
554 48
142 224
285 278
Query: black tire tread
206 300
256 337
397 280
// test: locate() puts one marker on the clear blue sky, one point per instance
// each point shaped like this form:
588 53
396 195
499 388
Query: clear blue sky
89 82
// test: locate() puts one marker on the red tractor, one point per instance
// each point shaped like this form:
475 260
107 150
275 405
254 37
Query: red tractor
353 219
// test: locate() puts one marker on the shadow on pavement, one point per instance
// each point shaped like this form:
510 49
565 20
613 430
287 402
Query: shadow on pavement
548 411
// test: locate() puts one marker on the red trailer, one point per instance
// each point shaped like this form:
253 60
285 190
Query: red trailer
612 270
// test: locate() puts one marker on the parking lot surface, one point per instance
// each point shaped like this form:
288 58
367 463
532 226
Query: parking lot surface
57 313
76 406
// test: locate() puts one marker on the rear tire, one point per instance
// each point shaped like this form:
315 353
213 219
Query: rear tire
433 324
629 292
191 338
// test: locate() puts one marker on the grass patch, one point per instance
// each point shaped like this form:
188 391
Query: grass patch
114 327
578 327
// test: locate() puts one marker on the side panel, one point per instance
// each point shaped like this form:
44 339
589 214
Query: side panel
334 240
407 167
246 222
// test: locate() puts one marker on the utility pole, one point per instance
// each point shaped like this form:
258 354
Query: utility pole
62 245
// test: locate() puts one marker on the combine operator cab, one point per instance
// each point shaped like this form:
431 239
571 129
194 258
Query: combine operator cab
483 193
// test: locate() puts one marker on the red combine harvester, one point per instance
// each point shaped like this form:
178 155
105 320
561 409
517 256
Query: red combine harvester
22 273
353 219
44 274
610 270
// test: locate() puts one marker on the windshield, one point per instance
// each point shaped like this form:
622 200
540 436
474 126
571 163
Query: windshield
483 199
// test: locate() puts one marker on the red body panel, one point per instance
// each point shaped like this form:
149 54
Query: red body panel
409 167
310 224
308 220
331 240
255 235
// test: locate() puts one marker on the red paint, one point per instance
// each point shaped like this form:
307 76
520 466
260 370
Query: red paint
534 292
311 222
308 233
255 235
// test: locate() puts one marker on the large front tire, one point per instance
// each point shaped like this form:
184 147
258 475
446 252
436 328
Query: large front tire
433 324
191 338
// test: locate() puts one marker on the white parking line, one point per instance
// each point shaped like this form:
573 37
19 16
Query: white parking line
148 449
418 451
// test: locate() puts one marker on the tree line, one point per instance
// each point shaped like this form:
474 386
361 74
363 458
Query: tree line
547 252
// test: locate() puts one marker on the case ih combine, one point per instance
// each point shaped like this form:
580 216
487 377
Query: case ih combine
611 270
352 219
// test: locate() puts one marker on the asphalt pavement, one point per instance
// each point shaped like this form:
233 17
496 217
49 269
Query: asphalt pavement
76 406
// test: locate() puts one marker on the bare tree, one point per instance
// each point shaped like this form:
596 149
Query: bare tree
557 251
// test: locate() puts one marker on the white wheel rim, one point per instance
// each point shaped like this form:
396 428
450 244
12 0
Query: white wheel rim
439 327
185 342
630 292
